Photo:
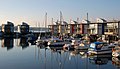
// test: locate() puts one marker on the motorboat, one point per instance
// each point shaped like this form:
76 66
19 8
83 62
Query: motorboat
56 42
116 62
98 48
31 38
82 46
116 51
41 41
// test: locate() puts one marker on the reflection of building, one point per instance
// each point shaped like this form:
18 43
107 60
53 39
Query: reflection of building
23 43
7 42
8 28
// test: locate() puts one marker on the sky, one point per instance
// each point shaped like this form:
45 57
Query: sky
33 11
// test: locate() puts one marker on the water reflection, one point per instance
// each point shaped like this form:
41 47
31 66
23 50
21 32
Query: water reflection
41 57
23 43
8 43
116 62
99 61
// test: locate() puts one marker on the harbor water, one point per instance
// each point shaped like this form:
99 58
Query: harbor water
19 54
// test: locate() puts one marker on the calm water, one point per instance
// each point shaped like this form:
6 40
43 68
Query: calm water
18 54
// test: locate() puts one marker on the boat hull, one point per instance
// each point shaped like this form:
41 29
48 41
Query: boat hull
56 45
100 52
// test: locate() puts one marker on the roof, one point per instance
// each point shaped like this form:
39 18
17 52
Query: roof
97 43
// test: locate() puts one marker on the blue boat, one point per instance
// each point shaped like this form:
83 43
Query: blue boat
31 38
100 48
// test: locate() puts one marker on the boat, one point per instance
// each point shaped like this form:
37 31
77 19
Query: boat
41 41
98 48
75 43
1 33
31 38
68 47
116 62
55 42
82 46
71 44
116 51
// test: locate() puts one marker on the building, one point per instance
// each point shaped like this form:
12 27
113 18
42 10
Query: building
23 29
58 28
97 27
119 29
100 27
8 28
72 28
84 26
112 28
53 29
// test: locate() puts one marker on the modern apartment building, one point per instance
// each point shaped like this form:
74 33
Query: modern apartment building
100 27
24 28
8 28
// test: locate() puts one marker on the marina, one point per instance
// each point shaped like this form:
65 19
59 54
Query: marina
75 46
19 54
59 34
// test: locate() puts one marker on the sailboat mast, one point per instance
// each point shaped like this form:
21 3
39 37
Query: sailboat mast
45 20
46 23
60 28
87 16
60 17
52 26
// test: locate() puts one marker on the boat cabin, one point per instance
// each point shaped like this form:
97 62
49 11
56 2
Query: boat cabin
97 45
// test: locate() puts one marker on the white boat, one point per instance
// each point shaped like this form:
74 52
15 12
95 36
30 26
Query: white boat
99 48
56 42
41 41
82 46
116 62
116 51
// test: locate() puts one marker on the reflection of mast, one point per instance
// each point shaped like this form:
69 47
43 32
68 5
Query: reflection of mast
86 63
51 60
76 60
45 58
59 59
38 52
35 52
98 67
